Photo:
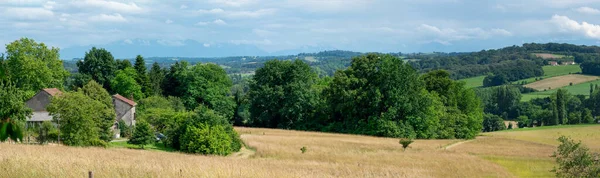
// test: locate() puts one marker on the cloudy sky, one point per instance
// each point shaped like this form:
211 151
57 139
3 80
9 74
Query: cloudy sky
289 25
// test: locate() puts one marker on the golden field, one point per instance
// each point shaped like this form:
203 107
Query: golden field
276 153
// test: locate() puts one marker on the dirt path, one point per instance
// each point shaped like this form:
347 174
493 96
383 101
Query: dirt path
244 153
457 143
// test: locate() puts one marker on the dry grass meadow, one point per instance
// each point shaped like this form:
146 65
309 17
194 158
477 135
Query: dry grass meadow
276 153
560 81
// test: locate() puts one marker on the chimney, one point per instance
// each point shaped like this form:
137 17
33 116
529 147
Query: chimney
131 97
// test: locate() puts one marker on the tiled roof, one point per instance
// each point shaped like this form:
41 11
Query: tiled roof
128 101
52 91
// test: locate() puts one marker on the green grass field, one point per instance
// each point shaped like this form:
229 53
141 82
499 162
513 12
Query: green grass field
579 89
473 82
549 71
153 147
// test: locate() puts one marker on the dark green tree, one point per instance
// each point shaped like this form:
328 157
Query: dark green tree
100 65
123 64
559 109
142 75
380 95
156 78
142 134
281 95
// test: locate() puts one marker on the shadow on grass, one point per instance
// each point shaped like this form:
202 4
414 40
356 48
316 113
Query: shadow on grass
158 146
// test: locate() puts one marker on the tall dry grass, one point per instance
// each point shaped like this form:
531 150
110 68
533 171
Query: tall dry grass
277 155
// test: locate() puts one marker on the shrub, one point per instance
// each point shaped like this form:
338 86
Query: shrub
303 149
206 139
405 142
142 134
207 132
43 132
575 160
125 131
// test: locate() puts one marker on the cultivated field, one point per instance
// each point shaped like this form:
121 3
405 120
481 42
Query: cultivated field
579 89
560 81
549 71
549 56
276 153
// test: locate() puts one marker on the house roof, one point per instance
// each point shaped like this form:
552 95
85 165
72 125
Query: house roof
52 91
128 101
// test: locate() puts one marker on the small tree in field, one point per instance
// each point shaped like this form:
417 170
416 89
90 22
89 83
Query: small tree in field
142 135
405 142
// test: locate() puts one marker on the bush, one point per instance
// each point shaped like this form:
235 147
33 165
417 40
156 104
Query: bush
405 142
43 132
493 123
575 160
142 134
207 133
303 149
125 131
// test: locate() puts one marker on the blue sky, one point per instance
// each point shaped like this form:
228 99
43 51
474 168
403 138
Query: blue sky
263 27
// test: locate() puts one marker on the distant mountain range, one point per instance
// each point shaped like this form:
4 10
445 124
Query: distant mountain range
188 48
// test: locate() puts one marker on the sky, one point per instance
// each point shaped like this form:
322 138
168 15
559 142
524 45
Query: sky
212 28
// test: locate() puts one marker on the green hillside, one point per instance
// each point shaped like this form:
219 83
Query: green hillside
473 82
549 71
579 89
553 71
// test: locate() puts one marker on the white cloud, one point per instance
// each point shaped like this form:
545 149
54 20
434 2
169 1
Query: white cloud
584 28
234 3
49 5
110 5
237 14
183 6
588 10
446 35
168 21
128 41
252 42
170 42
216 22
108 18
206 45
219 22
27 13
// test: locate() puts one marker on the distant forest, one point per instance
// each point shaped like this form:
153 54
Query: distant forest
514 62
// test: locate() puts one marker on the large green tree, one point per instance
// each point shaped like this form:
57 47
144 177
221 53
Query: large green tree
559 109
107 115
32 66
13 112
282 96
156 78
202 84
100 65
78 118
380 95
142 74
124 84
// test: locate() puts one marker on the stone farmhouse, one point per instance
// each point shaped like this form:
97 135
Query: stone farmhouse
125 111
38 104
